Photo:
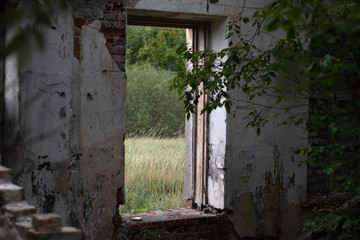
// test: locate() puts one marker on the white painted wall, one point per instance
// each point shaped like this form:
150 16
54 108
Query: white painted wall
217 129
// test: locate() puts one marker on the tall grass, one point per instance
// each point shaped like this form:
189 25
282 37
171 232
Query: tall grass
154 173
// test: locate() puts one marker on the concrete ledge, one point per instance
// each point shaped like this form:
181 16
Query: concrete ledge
176 224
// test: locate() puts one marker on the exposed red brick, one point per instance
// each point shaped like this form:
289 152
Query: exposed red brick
116 49
205 235
119 25
189 203
109 40
168 223
78 22
118 58
106 24
191 221
119 41
203 228
119 8
179 222
222 226
115 16
77 48
5 171
77 31
202 220
121 66
114 33
212 219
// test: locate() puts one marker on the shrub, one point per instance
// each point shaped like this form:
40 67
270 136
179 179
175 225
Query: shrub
151 107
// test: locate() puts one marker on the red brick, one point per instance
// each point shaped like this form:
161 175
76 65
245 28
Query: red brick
78 22
116 49
109 40
179 222
190 221
119 8
118 41
222 227
183 236
202 220
156 225
168 223
77 31
121 66
89 21
77 47
119 58
212 219
189 203
203 228
5 174
114 33
205 235
106 24
119 25
115 16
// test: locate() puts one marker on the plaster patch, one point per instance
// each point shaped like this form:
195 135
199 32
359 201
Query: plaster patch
243 217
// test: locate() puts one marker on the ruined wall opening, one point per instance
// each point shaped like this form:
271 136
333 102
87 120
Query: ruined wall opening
163 38
155 123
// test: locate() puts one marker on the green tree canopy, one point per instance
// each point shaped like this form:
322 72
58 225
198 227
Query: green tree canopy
156 46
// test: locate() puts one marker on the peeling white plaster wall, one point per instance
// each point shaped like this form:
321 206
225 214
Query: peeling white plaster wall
66 118
103 91
251 167
217 129
44 150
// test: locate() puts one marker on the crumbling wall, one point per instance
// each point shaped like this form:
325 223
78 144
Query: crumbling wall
264 182
65 118
65 123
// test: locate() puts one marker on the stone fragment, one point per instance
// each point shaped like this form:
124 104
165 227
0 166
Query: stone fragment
10 192
19 209
45 223
23 225
5 175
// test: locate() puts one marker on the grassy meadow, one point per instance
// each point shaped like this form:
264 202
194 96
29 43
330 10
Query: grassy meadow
154 173
155 118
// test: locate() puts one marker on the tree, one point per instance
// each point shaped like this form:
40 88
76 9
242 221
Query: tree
156 46
323 37
151 107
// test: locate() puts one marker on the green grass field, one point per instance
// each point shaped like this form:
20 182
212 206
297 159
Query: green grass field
154 174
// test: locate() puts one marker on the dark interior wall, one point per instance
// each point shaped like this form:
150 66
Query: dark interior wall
2 77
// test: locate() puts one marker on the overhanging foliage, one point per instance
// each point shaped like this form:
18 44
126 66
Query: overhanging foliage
316 60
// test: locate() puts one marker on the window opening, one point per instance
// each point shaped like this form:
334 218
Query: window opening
154 145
